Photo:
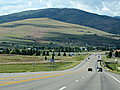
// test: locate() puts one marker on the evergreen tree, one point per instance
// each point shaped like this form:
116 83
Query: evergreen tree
47 53
64 54
53 57
43 54
116 54
45 58
53 54
110 54
59 54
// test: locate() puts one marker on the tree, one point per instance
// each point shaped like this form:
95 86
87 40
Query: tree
23 52
43 54
47 53
53 54
110 54
59 54
6 51
64 54
116 54
15 51
38 53
45 58
53 57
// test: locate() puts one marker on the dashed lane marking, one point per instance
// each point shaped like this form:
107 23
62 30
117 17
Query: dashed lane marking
62 88
76 80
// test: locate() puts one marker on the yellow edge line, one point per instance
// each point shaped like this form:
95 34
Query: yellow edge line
15 82
24 76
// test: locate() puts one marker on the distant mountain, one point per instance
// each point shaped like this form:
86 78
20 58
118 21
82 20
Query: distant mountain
118 17
74 16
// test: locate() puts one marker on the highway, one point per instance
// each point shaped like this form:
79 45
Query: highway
77 78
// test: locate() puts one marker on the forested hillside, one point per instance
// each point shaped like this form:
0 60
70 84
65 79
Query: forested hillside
75 16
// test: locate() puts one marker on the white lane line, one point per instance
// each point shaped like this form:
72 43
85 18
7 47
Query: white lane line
86 75
62 88
76 80
83 77
113 78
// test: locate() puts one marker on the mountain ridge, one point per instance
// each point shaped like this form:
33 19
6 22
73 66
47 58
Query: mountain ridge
69 15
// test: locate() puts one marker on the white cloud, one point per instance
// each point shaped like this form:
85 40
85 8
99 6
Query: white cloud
104 7
41 1
49 4
110 8
29 3
78 5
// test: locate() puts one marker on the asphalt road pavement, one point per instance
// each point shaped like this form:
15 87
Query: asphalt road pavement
77 78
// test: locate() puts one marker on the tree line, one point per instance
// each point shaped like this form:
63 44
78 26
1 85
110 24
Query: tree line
113 54
38 52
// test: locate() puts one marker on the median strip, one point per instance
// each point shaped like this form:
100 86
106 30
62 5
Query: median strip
15 82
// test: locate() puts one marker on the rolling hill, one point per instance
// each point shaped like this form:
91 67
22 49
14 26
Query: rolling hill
74 16
118 17
44 31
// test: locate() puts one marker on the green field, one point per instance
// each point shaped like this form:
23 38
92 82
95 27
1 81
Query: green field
38 63
42 31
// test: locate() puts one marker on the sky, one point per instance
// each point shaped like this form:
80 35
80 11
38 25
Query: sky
102 7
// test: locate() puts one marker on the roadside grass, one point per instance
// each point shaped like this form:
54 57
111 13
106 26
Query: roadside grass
114 67
27 58
109 63
61 63
13 68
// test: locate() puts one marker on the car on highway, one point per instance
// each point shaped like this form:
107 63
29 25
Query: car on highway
99 69
90 69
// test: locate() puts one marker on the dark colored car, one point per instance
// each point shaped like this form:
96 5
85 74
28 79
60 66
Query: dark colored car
90 69
100 69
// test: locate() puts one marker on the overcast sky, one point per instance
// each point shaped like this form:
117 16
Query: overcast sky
103 7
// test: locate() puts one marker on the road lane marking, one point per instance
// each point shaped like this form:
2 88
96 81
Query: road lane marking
83 77
32 79
29 75
24 76
113 78
62 88
76 80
